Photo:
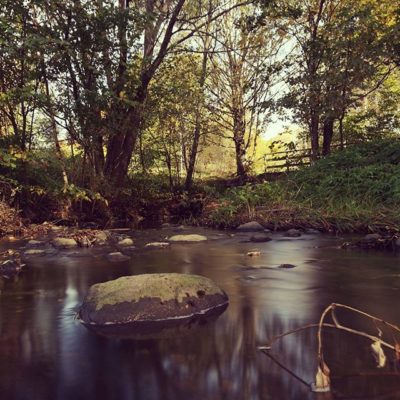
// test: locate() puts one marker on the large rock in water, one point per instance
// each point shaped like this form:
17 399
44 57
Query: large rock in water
150 297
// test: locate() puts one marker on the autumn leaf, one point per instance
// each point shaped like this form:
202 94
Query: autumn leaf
322 379
378 354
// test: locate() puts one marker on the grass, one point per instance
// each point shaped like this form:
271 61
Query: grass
354 190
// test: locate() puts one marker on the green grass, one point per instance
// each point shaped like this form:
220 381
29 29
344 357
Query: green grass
357 189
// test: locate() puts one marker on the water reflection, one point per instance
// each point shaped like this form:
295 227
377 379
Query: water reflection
45 354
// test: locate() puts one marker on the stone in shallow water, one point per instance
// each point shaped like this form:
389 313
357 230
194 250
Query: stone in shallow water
187 238
34 252
117 256
150 298
158 245
286 266
252 226
372 237
63 243
293 233
34 243
125 242
260 238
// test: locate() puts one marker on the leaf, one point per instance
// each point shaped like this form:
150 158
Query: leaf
322 379
378 354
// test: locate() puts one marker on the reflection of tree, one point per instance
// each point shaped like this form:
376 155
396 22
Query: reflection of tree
45 355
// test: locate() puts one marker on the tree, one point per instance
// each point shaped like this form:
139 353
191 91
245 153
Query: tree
19 75
244 65
340 57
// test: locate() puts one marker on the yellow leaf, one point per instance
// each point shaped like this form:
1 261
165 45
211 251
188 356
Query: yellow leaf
378 354
322 380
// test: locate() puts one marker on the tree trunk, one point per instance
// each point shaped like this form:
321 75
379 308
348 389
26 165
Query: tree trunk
240 153
197 129
341 133
314 135
239 129
327 136
121 145
193 155
98 154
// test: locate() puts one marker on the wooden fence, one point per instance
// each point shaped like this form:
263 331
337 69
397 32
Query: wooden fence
288 160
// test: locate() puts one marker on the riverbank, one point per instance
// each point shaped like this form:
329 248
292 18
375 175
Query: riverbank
353 191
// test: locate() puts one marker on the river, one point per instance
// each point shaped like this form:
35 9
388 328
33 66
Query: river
45 354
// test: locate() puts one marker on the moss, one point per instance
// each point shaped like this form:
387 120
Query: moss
163 286
187 238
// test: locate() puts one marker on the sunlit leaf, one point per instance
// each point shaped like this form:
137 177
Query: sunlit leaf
378 354
322 379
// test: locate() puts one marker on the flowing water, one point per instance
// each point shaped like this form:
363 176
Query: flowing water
47 355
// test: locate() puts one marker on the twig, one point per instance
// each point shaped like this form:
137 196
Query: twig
275 360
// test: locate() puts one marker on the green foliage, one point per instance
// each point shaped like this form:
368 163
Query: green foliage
243 200
359 186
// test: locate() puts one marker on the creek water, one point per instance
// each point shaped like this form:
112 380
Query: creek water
47 355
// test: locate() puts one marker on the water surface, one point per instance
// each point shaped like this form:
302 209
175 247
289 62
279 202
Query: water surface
46 355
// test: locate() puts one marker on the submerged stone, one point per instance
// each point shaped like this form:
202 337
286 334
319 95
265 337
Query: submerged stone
150 297
117 256
293 233
286 266
260 238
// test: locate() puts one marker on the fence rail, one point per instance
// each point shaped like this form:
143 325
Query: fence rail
291 159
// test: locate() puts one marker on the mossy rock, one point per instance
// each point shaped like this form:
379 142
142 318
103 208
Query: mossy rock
150 297
252 226
188 238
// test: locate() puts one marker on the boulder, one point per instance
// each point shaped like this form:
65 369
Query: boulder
64 243
293 233
150 298
187 238
260 238
125 242
252 226
117 256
